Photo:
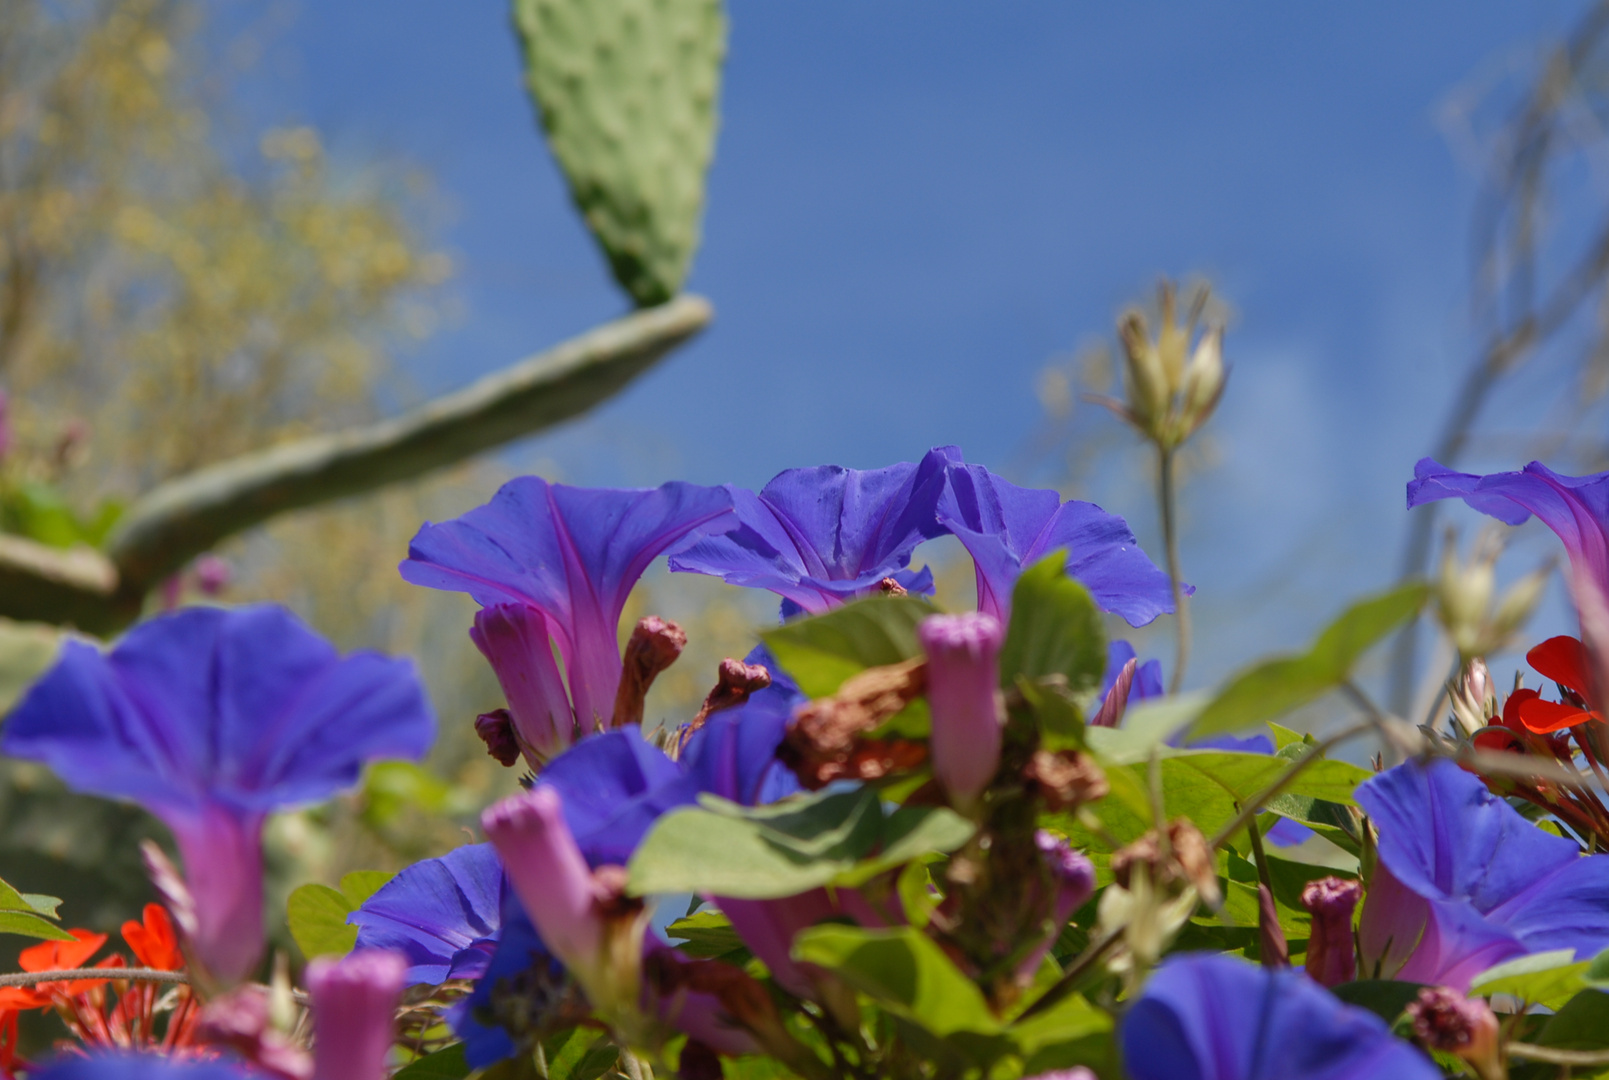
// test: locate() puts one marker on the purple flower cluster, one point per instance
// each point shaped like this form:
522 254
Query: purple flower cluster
214 718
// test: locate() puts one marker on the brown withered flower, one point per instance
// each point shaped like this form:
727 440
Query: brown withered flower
1187 861
826 739
1065 779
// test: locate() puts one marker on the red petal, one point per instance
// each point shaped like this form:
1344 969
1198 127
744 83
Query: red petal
61 955
1498 740
1546 716
1562 659
153 941
1511 708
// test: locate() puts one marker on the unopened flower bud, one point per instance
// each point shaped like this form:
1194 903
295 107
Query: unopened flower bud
1273 952
1116 701
1203 381
1517 605
1463 594
1447 1021
1331 954
496 730
654 646
583 916
1473 697
1148 390
1072 872
963 677
1077 1072
514 639
354 1008
5 426
213 575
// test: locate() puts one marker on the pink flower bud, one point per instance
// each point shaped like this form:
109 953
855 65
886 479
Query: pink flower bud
584 916
1331 954
963 690
548 873
514 639
354 1013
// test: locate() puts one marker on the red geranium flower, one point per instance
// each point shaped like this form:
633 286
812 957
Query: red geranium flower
152 941
1564 660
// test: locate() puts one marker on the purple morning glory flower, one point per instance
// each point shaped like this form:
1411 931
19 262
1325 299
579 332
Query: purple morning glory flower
520 964
820 537
442 914
1574 507
1214 1017
127 1066
211 719
1006 528
572 555
1464 882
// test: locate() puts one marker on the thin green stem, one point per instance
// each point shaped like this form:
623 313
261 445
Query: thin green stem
1081 964
1170 542
1254 805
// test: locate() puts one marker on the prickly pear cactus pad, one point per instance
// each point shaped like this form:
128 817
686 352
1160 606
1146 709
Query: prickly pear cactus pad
626 90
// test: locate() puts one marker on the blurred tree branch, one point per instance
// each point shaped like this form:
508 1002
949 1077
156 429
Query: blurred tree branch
1528 292
186 516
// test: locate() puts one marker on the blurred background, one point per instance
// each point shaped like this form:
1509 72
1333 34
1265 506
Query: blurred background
225 225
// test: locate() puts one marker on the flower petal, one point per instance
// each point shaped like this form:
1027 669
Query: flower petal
1544 717
443 914
1213 1017
1005 528
1563 659
821 536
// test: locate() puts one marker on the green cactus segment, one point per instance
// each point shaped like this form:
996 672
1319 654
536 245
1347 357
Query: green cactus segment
626 90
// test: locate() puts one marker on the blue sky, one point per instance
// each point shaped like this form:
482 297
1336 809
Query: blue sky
914 206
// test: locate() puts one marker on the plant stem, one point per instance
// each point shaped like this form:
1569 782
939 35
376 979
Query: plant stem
1255 803
1170 542
30 978
1081 964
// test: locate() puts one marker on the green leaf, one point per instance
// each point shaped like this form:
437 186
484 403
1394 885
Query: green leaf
1547 978
317 916
1330 820
626 91
1385 998
1146 726
1275 687
709 935
1581 1024
579 1054
445 1064
25 914
359 885
27 650
822 651
838 839
27 924
1055 629
1070 1020
42 905
904 971
1209 787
